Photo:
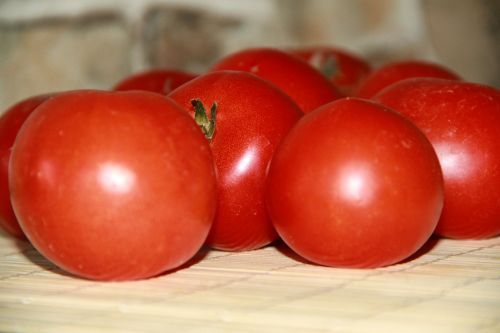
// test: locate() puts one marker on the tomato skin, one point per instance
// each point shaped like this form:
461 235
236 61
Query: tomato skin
304 84
161 81
10 123
113 186
252 118
349 70
462 121
354 184
398 71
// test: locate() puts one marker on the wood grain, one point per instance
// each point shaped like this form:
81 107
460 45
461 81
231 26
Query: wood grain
449 286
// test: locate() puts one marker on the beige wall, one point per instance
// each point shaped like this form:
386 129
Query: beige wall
52 45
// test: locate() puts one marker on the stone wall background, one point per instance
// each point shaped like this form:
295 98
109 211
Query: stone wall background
54 45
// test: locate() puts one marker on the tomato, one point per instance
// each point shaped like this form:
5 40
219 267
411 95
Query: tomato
304 84
113 185
161 81
252 116
462 120
397 71
10 122
354 184
343 68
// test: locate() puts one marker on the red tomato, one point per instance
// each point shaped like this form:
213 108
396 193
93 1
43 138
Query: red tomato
355 185
397 71
161 81
113 186
462 120
10 122
252 118
344 69
304 84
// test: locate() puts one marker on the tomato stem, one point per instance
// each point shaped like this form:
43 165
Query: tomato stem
329 67
200 116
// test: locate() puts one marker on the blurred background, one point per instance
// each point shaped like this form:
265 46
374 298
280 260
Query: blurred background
53 45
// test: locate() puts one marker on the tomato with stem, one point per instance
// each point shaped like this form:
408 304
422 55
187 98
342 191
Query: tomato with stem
299 80
250 117
345 69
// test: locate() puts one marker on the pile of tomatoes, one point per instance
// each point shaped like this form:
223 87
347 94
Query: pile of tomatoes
350 166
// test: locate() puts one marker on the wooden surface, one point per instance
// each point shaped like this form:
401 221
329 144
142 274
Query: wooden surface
450 286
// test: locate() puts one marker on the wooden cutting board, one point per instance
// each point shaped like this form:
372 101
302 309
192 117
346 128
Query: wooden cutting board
450 286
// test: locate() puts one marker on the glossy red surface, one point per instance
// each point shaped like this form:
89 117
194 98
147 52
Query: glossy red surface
161 81
10 123
462 120
355 185
252 118
397 71
343 68
304 84
113 186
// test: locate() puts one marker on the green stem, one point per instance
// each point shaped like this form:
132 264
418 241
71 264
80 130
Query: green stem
200 117
329 68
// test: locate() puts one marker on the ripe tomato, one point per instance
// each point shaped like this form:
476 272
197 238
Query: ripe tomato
304 84
355 185
343 68
462 120
10 122
397 71
252 118
161 81
113 186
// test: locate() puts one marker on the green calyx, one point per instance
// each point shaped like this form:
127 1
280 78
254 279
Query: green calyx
329 67
201 118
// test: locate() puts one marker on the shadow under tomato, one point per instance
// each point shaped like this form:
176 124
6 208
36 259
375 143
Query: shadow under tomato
25 248
288 252
426 248
199 256
38 259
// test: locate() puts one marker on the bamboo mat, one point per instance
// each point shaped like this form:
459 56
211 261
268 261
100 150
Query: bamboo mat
450 286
